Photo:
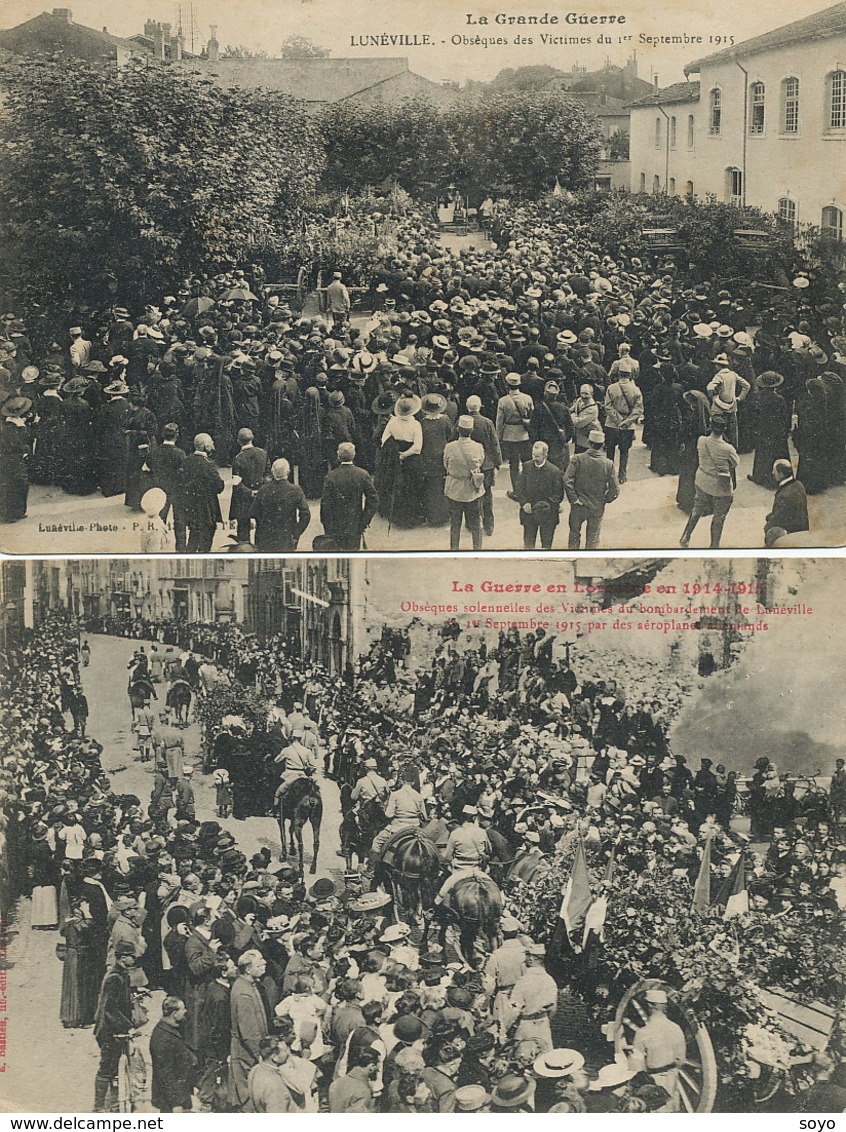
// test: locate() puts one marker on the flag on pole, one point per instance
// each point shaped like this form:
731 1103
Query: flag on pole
733 896
702 890
577 895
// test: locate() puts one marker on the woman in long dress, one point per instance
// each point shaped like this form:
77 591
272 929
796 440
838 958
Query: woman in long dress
44 874
398 472
437 431
15 448
666 421
111 428
811 437
772 426
79 974
695 414
76 470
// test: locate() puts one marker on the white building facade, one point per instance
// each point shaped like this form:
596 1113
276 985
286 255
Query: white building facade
764 126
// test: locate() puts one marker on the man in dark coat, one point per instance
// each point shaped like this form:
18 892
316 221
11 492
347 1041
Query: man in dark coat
540 490
111 428
113 1022
281 512
349 501
174 1065
216 1031
166 462
199 493
250 1023
790 505
248 471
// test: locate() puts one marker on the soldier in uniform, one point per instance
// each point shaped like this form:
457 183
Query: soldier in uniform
660 1047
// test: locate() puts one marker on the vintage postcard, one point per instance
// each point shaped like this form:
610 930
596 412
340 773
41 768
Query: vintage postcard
347 835
318 275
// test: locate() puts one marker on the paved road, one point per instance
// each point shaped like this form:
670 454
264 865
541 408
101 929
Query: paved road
50 1069
645 517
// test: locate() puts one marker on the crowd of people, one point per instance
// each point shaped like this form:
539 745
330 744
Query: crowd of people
285 996
543 356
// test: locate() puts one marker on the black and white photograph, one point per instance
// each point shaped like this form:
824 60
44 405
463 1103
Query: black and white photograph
349 836
318 276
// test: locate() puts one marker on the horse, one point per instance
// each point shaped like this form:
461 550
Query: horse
301 803
140 694
409 867
474 905
179 697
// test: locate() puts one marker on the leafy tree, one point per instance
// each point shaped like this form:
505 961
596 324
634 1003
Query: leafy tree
410 144
299 47
143 174
231 51
518 142
618 145
513 141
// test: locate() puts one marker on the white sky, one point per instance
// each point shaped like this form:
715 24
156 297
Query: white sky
264 24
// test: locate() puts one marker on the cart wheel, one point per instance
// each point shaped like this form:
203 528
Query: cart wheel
768 1084
124 1086
302 285
698 1075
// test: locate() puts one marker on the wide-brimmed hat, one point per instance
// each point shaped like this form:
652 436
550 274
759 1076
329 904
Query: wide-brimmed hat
471 1098
769 379
76 385
408 405
566 338
611 1077
558 1063
511 1091
722 360
383 404
395 933
16 406
369 902
116 389
434 402
363 362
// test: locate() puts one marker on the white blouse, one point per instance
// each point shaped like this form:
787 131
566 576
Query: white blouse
405 430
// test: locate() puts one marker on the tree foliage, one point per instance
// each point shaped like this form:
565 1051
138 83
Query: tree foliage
141 174
299 47
512 141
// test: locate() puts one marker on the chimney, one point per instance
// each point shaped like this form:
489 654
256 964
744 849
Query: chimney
655 83
213 47
64 14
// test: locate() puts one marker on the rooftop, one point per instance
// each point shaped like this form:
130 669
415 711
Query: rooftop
678 92
311 80
821 25
55 31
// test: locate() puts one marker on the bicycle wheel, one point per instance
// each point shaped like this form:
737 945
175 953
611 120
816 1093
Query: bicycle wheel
125 1099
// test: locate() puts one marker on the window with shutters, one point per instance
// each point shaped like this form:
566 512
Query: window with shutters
715 111
757 99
